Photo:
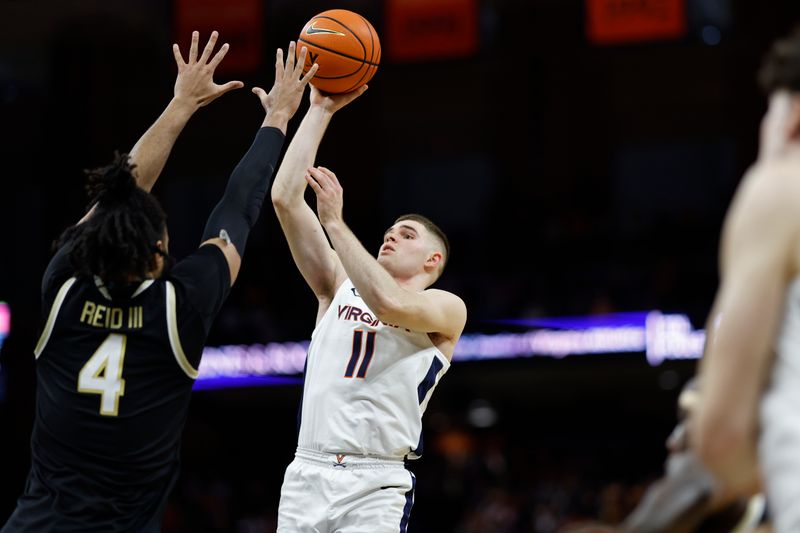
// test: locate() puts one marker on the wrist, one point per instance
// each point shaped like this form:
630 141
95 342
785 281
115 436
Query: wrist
321 110
183 106
334 224
276 119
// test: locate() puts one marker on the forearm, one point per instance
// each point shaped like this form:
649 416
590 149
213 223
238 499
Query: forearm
238 210
374 284
290 184
724 426
151 151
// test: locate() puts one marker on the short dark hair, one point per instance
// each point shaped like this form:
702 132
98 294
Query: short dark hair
781 66
118 241
433 228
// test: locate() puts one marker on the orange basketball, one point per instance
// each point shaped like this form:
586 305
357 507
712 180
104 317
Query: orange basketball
346 48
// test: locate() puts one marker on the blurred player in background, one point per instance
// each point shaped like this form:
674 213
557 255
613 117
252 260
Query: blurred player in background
751 369
124 333
382 341
687 499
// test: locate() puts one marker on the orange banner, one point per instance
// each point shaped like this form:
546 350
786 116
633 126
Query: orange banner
431 29
239 22
621 21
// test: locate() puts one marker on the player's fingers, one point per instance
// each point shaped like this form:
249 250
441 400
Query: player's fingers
176 51
230 86
327 172
331 177
313 183
219 56
318 175
326 178
301 62
290 58
258 91
279 64
310 74
193 47
212 41
355 94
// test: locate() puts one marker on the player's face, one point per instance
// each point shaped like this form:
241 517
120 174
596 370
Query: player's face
406 247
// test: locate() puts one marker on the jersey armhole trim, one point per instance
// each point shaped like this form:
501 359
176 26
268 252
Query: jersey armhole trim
174 338
51 318
143 287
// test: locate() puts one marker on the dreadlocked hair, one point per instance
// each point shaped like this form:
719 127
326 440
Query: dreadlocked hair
117 242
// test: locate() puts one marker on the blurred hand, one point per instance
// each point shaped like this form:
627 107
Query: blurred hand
195 84
334 102
287 91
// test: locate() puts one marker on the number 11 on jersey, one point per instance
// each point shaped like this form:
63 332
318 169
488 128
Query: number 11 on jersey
369 349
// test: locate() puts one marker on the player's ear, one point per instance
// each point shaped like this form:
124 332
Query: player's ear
434 260
160 254
793 122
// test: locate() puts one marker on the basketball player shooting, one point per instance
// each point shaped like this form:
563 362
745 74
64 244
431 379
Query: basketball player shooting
750 412
382 341
123 333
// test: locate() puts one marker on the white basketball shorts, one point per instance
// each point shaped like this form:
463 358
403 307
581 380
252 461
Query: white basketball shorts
333 493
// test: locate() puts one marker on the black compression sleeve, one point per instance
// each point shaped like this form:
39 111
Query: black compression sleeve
239 207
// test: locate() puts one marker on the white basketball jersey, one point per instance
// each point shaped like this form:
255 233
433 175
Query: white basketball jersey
787 361
779 443
366 383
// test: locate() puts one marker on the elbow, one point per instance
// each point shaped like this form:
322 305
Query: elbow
388 310
279 201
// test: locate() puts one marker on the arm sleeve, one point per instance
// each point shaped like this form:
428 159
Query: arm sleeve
238 210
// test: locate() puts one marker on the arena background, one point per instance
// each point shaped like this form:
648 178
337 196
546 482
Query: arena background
579 153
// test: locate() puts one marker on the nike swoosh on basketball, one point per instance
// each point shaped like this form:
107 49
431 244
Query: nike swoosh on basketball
313 29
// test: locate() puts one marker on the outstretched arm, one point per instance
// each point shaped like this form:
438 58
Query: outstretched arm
194 88
229 224
312 254
431 311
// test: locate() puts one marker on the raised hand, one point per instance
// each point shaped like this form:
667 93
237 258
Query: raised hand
334 102
195 83
330 196
287 91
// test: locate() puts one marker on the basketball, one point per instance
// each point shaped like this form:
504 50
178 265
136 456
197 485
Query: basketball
345 46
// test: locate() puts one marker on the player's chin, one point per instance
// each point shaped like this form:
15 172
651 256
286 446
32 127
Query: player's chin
385 260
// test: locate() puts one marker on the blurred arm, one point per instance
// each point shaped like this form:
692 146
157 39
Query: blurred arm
758 244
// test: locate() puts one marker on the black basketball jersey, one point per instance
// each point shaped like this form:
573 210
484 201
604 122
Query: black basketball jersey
114 377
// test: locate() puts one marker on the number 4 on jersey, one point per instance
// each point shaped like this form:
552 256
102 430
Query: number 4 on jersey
107 360
358 336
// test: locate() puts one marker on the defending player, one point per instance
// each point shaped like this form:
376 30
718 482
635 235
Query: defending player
124 333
